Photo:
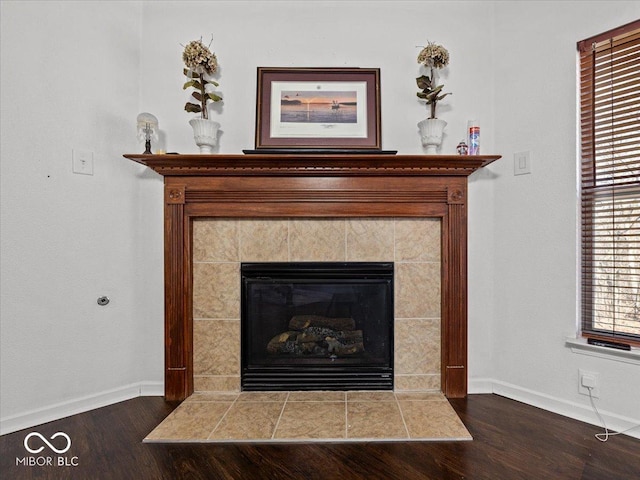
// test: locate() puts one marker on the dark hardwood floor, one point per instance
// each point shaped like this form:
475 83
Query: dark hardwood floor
511 441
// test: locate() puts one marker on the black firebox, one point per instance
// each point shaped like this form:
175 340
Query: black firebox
317 326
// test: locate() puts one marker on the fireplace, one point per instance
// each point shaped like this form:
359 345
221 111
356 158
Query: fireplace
317 326
312 185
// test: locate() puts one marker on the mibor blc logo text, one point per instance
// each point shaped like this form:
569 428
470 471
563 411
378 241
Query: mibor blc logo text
41 448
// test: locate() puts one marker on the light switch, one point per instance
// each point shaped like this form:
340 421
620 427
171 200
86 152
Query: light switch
83 162
521 163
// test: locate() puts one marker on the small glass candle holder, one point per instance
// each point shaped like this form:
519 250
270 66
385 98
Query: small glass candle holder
147 130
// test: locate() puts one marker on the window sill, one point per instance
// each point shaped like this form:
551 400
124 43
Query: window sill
580 346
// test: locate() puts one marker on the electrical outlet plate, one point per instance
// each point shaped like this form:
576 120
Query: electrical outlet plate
586 378
83 162
521 163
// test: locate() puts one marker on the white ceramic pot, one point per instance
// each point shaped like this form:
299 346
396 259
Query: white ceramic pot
205 133
431 131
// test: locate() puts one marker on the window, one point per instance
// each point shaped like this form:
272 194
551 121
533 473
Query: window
610 183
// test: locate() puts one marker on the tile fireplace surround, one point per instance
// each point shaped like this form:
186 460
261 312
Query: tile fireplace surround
223 209
219 245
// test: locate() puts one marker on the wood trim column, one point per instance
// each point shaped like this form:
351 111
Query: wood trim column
178 329
454 295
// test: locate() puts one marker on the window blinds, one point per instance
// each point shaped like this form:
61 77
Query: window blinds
610 183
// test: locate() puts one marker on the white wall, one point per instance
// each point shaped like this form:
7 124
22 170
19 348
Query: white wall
535 259
103 234
70 81
383 34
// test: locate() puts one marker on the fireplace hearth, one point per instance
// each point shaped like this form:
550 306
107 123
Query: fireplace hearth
317 326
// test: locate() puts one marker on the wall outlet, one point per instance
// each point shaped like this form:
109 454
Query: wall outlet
521 163
82 162
588 381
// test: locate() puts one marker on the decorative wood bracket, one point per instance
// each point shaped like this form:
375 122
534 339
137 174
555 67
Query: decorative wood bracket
174 194
455 196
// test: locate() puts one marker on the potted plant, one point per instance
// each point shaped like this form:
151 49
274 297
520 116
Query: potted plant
200 64
433 57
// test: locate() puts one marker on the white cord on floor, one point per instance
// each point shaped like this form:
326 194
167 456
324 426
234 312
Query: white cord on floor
603 437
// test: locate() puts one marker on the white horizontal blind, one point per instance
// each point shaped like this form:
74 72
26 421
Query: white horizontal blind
610 183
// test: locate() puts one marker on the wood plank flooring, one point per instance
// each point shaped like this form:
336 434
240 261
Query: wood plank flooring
511 441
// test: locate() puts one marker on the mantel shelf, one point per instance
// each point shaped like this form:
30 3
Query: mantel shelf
313 164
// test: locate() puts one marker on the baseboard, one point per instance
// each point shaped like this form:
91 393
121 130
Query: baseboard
583 413
79 405
480 385
151 389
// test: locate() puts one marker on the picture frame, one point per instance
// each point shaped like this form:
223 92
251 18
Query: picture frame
318 108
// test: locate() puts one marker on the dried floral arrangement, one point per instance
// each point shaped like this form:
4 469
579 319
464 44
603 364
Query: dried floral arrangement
201 63
434 57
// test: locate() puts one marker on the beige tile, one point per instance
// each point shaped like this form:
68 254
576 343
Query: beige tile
421 396
216 383
215 240
249 421
190 421
309 420
418 240
263 397
264 240
417 290
313 396
374 420
211 397
216 347
369 240
215 417
317 240
216 290
417 346
432 420
370 396
416 382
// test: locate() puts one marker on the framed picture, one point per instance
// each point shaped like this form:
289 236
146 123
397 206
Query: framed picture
318 108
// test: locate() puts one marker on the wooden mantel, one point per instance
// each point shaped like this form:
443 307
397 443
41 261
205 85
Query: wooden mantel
313 185
314 164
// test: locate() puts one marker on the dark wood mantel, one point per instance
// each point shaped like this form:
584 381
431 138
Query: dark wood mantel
313 185
316 164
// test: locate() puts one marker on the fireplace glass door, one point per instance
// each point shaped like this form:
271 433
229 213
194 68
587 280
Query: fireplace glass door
317 326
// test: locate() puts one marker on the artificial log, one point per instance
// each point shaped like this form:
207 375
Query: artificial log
335 347
318 341
300 322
